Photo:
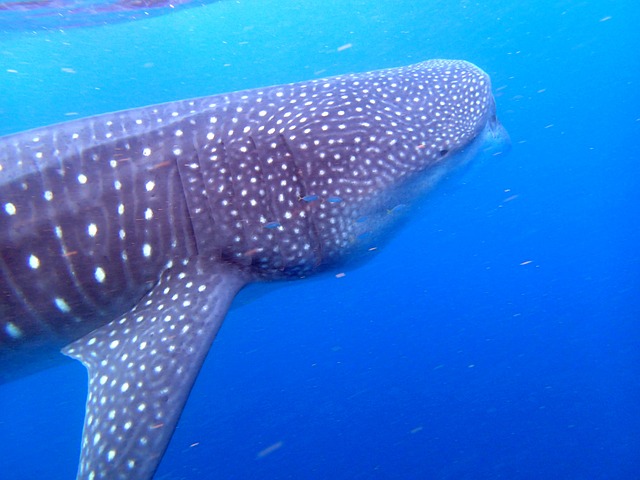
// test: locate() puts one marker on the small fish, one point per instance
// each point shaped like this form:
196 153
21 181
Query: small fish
398 209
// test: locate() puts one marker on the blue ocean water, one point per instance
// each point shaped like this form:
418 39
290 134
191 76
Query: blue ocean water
496 337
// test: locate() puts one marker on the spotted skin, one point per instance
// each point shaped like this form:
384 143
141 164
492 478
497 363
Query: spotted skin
125 237
135 399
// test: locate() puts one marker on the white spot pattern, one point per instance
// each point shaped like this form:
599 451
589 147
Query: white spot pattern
125 393
350 143
277 181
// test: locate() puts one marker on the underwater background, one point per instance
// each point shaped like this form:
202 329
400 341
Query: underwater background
496 337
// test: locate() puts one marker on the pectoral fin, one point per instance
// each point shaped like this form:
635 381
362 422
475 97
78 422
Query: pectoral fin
142 367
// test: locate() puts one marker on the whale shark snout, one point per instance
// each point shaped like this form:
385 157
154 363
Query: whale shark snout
496 138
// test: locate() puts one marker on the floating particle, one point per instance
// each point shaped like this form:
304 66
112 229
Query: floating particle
269 449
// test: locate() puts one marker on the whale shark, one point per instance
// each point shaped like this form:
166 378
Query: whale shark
125 237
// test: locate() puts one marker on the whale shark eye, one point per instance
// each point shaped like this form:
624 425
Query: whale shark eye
443 152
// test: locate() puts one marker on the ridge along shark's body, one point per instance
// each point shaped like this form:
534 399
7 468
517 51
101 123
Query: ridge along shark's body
125 237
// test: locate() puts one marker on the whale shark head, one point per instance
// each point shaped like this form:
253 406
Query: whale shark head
330 158
125 237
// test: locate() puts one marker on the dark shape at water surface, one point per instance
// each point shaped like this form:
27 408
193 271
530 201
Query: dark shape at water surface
125 237
56 14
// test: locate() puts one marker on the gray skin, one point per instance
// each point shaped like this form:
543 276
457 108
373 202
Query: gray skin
124 237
